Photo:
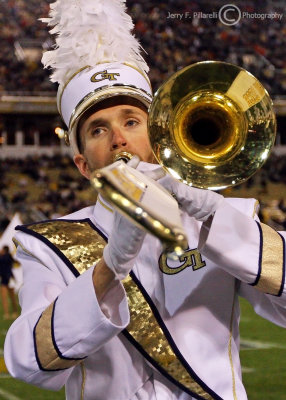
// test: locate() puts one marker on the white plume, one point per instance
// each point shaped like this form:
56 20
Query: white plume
89 32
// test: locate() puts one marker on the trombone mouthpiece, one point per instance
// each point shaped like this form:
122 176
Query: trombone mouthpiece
123 155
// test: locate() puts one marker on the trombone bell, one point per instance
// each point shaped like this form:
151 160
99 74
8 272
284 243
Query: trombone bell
212 125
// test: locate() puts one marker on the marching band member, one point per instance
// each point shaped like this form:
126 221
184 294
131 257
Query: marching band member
104 311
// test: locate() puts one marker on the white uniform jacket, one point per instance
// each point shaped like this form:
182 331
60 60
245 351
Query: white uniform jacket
64 337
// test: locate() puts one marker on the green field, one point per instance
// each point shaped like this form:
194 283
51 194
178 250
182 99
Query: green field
13 389
263 356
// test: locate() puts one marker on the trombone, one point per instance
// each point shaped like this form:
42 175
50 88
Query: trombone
211 125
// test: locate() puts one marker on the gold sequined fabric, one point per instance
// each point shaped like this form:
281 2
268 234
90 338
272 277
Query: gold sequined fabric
81 244
83 247
145 329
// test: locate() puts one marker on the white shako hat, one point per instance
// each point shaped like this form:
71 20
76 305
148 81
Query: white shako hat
93 85
96 57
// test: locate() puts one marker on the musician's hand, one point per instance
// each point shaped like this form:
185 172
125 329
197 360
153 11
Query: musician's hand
198 203
154 173
123 246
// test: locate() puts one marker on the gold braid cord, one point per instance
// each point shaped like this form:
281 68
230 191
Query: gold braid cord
82 246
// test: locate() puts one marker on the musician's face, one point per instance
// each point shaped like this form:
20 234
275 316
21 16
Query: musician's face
109 131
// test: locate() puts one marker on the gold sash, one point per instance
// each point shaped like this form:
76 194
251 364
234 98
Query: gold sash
80 245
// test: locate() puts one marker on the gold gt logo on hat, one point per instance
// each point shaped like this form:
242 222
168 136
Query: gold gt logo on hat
104 75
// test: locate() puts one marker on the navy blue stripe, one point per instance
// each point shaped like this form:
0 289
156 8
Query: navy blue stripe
260 255
125 332
173 346
18 227
35 346
26 229
51 245
283 266
159 368
36 351
260 261
91 224
55 346
54 340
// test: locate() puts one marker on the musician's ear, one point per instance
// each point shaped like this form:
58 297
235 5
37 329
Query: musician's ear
82 165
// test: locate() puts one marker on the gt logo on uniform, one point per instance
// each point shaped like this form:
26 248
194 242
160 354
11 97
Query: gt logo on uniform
104 75
190 258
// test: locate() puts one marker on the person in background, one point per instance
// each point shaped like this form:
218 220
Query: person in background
6 274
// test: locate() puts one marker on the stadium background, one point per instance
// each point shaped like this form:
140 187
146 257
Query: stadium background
38 179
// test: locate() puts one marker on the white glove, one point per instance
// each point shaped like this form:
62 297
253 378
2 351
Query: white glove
198 203
155 173
125 241
123 246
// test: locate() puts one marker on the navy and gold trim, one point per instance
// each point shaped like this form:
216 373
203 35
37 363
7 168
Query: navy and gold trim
75 254
190 258
271 270
149 334
48 355
80 244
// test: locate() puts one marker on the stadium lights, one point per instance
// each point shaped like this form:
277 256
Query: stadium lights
60 132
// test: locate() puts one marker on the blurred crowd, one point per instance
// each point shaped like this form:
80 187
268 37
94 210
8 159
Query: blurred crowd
19 20
171 41
174 38
42 188
174 33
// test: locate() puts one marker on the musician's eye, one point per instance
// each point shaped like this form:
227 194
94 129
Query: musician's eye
97 131
132 122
